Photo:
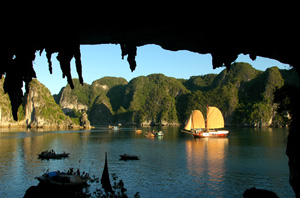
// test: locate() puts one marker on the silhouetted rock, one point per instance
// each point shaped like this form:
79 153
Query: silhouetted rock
255 193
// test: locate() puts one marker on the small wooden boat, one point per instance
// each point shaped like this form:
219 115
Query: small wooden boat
129 157
57 178
113 127
159 133
52 155
138 131
149 134
154 134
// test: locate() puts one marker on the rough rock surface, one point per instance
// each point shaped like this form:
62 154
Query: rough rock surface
84 121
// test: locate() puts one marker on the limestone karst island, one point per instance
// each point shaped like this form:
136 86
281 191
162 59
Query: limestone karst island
156 100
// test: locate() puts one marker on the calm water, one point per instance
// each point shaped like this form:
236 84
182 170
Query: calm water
176 165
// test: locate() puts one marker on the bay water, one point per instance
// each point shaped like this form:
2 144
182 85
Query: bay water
176 165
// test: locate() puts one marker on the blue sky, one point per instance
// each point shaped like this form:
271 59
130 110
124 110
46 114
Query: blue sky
105 60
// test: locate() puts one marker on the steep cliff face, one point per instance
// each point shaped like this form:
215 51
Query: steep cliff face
41 110
5 107
77 99
101 112
243 94
37 110
152 100
99 100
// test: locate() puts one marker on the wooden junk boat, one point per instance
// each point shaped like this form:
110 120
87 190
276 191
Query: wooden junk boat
199 127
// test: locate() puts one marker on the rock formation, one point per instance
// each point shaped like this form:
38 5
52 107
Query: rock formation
84 121
160 100
37 110
41 109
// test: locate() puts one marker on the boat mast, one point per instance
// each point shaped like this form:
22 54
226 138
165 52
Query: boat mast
206 126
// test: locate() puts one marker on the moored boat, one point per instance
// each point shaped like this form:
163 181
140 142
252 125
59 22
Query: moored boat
113 127
129 157
62 179
199 127
149 134
138 131
159 133
154 134
52 155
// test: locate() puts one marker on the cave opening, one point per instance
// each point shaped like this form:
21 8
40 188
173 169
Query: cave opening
18 54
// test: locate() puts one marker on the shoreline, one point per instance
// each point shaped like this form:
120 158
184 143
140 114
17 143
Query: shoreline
45 127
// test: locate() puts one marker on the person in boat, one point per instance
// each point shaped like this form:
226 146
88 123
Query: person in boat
70 171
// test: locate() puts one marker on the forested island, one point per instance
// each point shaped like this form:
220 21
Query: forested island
244 95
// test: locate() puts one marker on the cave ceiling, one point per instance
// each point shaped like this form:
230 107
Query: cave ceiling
224 42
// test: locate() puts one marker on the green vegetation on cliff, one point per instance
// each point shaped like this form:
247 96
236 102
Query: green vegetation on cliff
244 95
40 108
37 110
152 99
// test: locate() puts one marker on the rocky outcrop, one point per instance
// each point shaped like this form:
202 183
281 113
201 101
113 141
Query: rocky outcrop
37 110
6 118
41 109
70 100
84 121
100 99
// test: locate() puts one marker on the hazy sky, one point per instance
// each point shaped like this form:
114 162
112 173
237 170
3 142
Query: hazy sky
105 60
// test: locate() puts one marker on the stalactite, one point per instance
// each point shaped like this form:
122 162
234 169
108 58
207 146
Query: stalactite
223 59
131 57
77 57
130 50
49 52
18 69
252 56
24 59
64 57
13 86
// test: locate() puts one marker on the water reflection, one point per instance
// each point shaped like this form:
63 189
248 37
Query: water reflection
206 157
175 166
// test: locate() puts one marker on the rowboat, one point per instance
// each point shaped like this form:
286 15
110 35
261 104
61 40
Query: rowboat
138 131
129 157
149 134
52 155
154 134
159 133
113 127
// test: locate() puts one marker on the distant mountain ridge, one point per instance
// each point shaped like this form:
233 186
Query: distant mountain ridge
244 95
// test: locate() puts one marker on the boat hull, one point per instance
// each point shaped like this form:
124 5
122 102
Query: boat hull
215 134
129 157
62 180
53 156
208 134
